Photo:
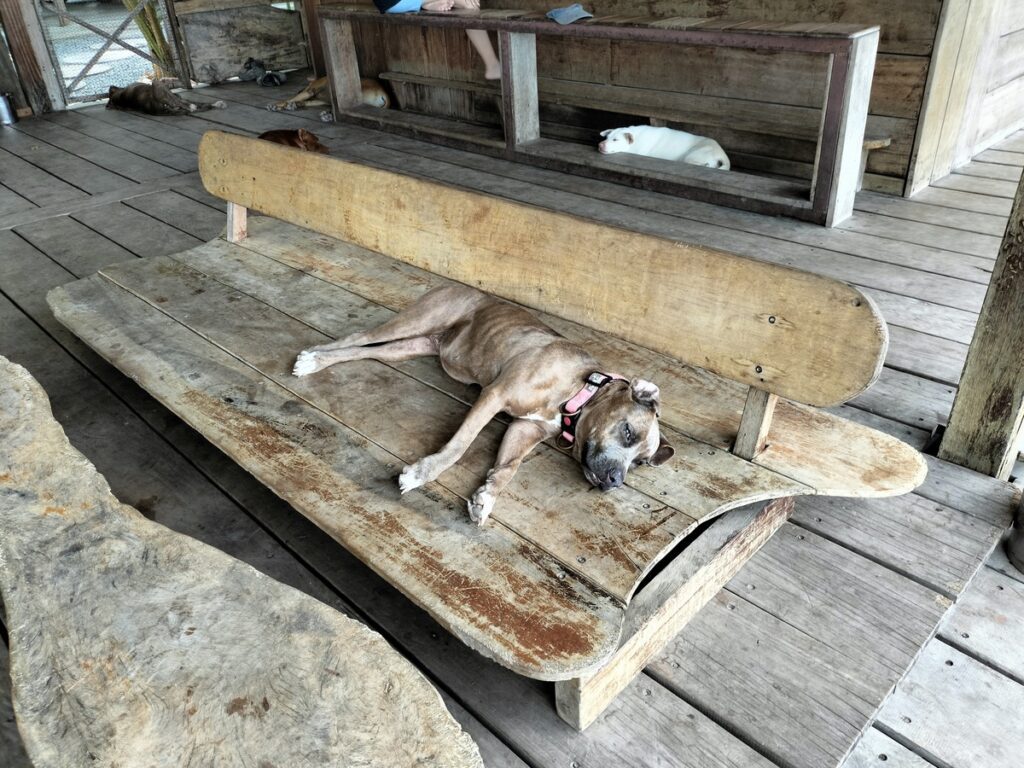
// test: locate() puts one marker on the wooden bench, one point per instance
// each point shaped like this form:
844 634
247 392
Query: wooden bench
837 128
130 641
562 584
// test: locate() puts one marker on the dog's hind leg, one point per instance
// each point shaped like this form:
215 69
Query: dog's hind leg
313 360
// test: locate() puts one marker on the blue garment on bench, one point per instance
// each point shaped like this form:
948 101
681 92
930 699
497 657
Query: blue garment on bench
398 6
569 14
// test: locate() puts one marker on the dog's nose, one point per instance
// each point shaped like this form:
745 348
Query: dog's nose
613 479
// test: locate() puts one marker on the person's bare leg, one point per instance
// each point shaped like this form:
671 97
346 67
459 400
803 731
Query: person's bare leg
482 43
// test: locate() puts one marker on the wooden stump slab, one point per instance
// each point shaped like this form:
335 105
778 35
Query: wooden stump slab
135 645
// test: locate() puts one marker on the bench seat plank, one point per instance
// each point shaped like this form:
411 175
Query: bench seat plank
555 623
832 455
135 645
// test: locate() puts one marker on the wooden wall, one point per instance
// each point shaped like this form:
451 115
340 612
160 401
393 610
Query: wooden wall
758 96
1002 107
975 94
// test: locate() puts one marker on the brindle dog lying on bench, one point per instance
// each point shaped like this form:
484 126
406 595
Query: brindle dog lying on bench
527 371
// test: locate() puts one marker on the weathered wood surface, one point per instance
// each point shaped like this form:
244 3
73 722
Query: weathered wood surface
947 689
220 41
11 746
985 423
345 484
664 607
988 622
755 422
309 686
685 301
876 750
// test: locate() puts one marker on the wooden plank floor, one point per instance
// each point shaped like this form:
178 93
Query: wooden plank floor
792 661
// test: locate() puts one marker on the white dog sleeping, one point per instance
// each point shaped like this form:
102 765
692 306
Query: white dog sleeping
665 144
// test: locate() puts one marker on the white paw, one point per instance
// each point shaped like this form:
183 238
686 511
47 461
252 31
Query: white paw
306 363
220 104
480 506
412 477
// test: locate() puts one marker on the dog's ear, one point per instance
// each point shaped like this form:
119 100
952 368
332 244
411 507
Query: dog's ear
628 137
646 394
306 137
663 454
606 132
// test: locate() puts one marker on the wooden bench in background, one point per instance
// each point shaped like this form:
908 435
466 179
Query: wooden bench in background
562 584
837 127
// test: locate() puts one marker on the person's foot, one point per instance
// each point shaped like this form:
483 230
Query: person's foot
493 72
469 5
438 5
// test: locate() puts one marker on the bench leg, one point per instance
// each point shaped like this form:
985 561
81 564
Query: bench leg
237 223
667 604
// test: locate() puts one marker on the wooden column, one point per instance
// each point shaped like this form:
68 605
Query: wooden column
31 58
984 426
342 65
238 228
844 117
754 423
519 104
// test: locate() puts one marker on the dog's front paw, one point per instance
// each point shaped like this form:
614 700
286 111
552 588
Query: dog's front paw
412 477
306 363
480 506
326 116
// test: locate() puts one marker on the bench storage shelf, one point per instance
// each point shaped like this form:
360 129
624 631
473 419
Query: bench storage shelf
837 128
562 584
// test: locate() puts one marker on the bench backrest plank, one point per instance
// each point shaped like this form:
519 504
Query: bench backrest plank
801 336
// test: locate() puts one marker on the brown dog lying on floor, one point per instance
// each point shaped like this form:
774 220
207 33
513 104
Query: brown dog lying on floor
300 138
549 385
154 98
318 94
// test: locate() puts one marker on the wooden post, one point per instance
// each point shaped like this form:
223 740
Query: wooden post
985 423
519 103
844 117
31 56
342 65
237 226
754 423
668 602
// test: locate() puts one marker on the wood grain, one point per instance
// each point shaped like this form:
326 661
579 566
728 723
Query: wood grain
694 291
178 618
985 423
755 421
345 485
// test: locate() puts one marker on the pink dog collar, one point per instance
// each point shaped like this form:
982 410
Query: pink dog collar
572 407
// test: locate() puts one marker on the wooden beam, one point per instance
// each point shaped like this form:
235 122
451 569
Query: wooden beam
28 49
844 119
9 82
339 50
519 105
755 422
985 424
667 604
237 228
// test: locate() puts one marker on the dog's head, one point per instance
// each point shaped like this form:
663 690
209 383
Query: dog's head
708 154
618 430
616 140
310 142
